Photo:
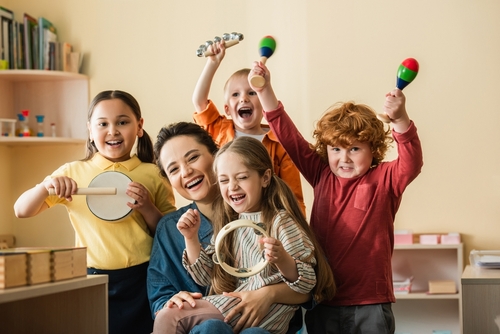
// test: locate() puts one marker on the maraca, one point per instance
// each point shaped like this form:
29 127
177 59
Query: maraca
229 39
267 46
407 71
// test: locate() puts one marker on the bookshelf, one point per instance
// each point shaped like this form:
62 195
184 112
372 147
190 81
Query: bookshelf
63 98
419 312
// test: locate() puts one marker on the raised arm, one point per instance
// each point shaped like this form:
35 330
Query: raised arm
266 94
202 88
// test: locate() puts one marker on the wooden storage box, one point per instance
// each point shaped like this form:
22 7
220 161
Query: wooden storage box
442 286
13 269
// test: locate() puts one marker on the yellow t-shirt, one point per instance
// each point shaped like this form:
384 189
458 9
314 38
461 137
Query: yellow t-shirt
113 244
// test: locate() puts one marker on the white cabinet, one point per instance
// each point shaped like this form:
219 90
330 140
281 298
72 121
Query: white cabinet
481 296
418 311
63 99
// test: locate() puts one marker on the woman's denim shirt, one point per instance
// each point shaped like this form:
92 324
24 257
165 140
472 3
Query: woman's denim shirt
166 275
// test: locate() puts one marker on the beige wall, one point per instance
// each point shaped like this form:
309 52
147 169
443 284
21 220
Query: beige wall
327 51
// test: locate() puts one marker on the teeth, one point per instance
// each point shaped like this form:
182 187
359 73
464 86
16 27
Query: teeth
237 198
114 142
192 183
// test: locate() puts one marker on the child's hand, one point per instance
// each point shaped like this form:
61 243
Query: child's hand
141 196
274 251
63 186
261 70
189 224
394 107
219 51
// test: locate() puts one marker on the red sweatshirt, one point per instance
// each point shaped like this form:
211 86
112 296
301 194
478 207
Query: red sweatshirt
354 218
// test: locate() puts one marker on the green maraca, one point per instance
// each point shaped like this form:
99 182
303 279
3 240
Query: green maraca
267 46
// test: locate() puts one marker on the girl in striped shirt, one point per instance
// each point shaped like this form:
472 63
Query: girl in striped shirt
250 190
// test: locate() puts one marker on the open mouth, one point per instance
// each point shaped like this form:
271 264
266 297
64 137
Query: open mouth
245 112
237 198
114 142
194 183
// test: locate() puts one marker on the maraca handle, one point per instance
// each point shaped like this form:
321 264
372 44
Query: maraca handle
229 43
258 80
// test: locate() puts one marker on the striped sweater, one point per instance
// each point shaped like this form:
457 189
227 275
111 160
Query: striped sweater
248 252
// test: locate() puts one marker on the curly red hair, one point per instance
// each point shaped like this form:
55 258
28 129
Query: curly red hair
344 123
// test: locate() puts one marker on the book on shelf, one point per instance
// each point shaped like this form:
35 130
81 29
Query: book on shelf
66 49
6 30
33 44
47 33
30 24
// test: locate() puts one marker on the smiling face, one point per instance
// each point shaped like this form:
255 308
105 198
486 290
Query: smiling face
188 166
350 162
240 186
114 128
243 105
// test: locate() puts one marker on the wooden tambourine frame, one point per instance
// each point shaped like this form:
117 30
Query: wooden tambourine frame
238 272
110 208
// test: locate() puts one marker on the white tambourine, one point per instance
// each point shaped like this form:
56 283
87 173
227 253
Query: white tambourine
110 208
238 272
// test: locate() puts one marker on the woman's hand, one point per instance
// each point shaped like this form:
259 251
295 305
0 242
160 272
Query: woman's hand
253 307
181 297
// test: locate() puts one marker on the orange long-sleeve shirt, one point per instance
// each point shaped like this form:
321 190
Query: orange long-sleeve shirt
222 131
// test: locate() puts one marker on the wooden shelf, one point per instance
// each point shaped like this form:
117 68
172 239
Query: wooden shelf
39 75
425 295
418 311
63 99
78 305
39 141
37 290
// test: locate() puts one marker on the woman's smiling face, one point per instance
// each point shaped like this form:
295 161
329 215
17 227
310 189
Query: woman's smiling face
188 166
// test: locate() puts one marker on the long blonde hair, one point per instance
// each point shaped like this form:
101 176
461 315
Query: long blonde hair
275 198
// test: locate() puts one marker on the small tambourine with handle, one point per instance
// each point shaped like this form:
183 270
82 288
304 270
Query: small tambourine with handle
106 196
229 39
238 272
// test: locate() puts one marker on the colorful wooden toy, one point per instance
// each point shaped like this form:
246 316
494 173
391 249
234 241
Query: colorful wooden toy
407 72
267 46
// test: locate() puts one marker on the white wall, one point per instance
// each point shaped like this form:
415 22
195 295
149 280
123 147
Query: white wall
327 51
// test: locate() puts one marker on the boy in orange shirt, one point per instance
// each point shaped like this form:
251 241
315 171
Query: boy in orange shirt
245 110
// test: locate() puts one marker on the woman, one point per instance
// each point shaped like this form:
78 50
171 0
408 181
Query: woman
185 156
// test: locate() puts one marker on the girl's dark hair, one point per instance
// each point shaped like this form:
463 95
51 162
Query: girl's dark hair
182 129
276 197
144 143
